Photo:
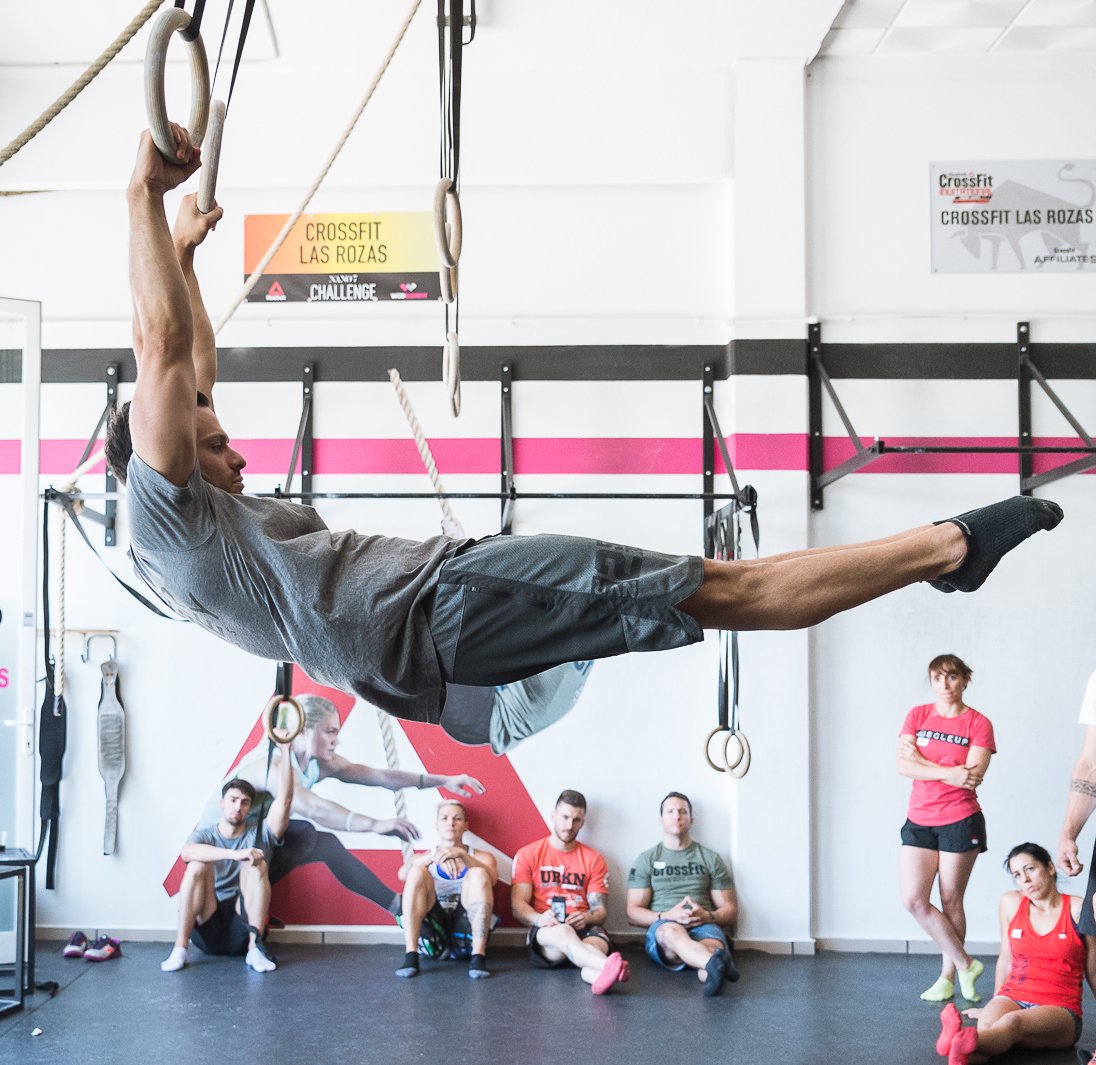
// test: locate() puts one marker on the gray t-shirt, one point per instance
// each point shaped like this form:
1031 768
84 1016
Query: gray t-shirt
226 873
270 577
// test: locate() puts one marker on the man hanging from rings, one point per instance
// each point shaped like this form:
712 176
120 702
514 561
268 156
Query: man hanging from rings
395 621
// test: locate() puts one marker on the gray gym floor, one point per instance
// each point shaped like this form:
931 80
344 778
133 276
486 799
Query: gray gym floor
342 1004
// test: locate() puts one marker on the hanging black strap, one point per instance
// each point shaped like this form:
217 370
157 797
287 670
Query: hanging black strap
51 734
195 27
245 25
65 500
731 547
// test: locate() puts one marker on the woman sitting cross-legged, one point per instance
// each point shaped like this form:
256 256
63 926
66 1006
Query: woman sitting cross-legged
1040 970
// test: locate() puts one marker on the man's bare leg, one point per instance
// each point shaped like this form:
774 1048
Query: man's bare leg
804 588
255 895
197 901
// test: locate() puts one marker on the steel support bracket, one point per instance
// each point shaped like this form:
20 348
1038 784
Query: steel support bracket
506 447
303 444
1027 372
708 427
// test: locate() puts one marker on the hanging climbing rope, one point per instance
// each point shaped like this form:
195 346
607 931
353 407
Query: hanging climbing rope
449 523
391 758
82 82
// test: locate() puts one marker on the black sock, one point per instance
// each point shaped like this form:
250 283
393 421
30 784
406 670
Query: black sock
991 532
410 966
716 970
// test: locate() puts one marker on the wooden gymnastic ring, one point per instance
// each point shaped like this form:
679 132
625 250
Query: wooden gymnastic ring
448 278
741 765
272 730
168 22
450 371
707 747
448 227
211 158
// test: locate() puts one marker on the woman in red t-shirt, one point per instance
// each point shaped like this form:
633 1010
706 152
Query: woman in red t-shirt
1040 970
945 748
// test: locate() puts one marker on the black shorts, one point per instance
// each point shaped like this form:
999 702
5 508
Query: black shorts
510 606
225 932
958 838
536 954
444 932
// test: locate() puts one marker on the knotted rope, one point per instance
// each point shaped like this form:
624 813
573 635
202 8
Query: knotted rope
82 82
449 522
388 738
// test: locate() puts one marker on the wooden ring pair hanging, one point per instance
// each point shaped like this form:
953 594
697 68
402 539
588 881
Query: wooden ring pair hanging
175 20
741 764
448 233
275 725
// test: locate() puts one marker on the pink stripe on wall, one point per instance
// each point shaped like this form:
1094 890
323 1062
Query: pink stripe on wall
837 449
583 455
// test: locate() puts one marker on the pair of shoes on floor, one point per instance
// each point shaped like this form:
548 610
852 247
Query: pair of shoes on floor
103 949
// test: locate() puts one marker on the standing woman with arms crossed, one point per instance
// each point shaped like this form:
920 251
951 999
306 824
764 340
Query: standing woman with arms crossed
944 748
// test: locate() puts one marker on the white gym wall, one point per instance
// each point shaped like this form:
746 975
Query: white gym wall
625 180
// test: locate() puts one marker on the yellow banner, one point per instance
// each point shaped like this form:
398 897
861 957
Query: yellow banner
385 243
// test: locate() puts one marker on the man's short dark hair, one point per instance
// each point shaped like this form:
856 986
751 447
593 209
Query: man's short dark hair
571 798
243 786
119 445
676 795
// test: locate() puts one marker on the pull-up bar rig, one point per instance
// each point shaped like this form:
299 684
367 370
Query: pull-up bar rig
1026 373
507 495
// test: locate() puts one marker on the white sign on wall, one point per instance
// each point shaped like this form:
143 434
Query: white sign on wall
1003 217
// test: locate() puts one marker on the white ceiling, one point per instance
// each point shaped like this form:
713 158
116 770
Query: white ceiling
594 69
894 27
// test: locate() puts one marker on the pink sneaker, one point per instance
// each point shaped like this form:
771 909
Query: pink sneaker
103 949
76 946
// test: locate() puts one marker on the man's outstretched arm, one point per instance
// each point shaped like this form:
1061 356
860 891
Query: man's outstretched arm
191 228
162 417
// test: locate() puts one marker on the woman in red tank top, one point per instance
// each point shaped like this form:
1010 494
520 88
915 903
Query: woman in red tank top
1040 970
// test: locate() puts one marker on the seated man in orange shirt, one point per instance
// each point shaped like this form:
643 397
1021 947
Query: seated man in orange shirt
560 890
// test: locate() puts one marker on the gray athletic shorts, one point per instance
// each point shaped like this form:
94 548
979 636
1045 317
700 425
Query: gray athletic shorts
510 606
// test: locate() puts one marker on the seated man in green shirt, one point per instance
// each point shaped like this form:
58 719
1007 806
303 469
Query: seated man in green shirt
683 894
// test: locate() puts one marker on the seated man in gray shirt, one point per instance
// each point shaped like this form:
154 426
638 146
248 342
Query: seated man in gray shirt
224 898
683 894
396 621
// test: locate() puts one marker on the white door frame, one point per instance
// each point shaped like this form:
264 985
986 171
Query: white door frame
30 311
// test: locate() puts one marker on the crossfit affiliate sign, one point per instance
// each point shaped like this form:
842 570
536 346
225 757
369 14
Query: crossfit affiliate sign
344 258
1003 217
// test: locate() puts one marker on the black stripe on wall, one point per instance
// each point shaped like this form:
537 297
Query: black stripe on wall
619 362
